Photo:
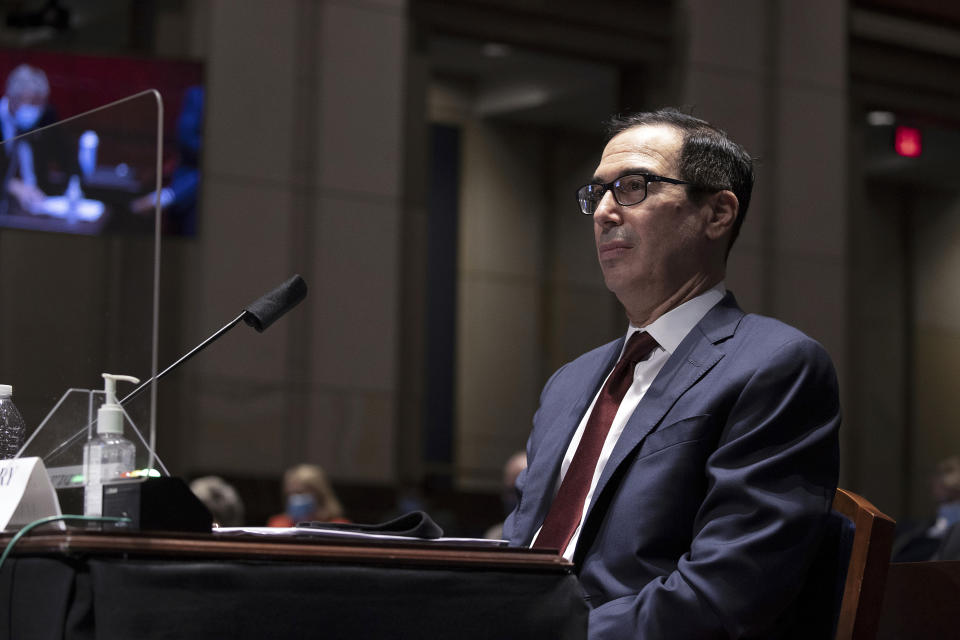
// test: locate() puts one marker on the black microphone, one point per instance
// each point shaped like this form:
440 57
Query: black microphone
259 314
263 312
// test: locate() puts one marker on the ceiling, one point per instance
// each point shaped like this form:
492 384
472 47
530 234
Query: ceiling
508 83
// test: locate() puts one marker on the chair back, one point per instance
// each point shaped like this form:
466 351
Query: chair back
866 571
843 591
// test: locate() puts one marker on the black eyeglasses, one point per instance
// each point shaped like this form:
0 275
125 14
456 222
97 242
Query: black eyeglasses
627 190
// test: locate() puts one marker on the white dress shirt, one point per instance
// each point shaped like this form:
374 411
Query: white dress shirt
668 330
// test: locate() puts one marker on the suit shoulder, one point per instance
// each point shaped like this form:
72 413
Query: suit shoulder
759 333
759 326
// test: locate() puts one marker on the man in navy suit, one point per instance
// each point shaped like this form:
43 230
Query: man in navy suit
710 491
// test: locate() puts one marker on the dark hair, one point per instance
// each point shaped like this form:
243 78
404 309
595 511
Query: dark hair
709 159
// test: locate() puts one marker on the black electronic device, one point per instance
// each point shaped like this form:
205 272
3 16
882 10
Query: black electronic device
157 504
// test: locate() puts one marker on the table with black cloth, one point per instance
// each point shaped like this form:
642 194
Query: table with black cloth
79 584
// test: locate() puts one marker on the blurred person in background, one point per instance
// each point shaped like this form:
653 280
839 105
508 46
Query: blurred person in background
221 499
24 107
514 465
308 497
919 541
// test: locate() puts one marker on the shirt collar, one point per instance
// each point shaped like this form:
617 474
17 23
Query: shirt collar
671 328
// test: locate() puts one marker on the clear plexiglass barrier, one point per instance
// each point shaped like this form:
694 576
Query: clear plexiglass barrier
79 274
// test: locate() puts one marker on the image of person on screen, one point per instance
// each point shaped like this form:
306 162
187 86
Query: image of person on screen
687 468
24 108
178 200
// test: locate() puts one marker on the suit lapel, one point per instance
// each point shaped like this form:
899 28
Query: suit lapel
544 471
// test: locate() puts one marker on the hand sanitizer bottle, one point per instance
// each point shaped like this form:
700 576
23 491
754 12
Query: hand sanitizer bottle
108 455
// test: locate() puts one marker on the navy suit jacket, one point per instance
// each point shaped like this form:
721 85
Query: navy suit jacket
712 504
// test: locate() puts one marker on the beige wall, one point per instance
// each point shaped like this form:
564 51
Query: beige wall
303 173
936 332
499 296
875 413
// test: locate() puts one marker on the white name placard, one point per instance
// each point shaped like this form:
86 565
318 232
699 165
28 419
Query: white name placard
25 493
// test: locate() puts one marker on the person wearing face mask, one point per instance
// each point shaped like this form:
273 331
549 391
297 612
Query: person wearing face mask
309 498
24 108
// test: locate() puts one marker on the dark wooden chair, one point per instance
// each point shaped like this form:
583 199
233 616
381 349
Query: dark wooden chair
842 594
869 560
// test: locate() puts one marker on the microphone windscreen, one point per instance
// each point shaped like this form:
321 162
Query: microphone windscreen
265 311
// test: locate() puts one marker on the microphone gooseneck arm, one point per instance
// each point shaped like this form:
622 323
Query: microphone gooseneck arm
260 314
197 349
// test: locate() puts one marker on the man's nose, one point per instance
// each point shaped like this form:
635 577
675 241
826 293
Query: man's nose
608 211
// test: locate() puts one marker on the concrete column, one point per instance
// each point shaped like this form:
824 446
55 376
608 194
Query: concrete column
356 238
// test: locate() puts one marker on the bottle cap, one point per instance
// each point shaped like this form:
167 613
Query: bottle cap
6 390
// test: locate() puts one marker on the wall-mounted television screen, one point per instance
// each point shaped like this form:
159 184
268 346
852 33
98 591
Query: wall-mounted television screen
97 174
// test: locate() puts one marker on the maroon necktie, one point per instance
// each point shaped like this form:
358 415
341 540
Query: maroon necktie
567 508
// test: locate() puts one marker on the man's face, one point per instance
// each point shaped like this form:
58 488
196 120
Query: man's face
652 249
34 98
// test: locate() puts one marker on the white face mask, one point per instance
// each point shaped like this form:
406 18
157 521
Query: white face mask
27 116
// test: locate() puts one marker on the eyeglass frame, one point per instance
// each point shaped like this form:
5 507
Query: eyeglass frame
647 179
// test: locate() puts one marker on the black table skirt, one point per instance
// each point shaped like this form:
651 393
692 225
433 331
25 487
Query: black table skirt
79 598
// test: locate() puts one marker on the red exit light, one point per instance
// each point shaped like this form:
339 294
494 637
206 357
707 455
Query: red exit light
907 142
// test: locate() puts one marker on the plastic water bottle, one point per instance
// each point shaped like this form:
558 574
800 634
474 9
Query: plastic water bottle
12 427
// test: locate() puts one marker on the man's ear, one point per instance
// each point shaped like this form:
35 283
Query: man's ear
723 211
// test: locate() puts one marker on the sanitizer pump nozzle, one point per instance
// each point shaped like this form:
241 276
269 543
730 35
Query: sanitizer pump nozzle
110 414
